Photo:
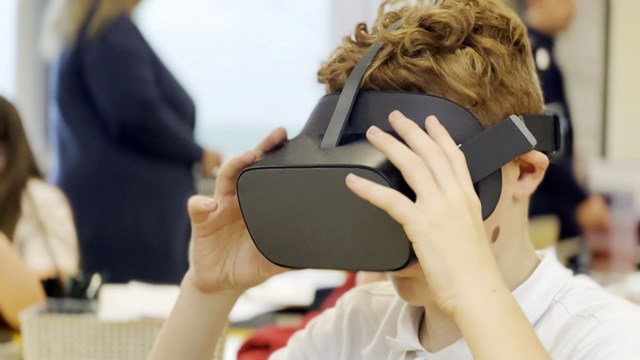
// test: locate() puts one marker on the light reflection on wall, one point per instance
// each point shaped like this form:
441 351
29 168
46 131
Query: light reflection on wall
250 65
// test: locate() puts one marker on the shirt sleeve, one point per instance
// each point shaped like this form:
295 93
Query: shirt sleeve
119 70
318 341
54 213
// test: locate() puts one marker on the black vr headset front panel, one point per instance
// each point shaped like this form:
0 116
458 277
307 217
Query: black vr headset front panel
315 221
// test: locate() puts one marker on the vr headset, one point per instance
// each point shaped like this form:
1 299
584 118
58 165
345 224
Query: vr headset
294 200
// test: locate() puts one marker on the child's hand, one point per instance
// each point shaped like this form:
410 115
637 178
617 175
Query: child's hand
445 223
223 256
210 160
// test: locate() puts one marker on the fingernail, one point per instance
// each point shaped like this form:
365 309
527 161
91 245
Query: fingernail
352 179
395 114
374 130
433 120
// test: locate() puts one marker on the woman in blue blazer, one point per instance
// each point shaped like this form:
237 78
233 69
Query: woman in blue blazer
125 146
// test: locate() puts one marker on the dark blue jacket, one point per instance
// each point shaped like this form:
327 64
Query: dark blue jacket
559 193
125 146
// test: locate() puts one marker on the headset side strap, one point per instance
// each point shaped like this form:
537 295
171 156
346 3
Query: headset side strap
495 146
549 131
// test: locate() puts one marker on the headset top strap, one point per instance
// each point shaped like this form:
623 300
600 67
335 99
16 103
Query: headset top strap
349 94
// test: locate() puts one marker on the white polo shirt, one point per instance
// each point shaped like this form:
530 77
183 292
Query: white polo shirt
573 316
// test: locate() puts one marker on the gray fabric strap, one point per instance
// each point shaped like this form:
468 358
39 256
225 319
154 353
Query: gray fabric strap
350 93
497 145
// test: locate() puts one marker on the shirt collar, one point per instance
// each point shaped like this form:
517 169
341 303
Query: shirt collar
534 296
406 338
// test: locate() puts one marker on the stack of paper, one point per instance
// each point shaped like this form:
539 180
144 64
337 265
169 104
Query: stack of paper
136 300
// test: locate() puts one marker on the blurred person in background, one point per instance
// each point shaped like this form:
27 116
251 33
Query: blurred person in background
125 142
37 235
560 193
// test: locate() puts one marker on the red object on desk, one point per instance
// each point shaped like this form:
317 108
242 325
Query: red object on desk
270 338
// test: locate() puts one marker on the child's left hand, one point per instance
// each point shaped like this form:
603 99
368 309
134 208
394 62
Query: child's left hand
445 223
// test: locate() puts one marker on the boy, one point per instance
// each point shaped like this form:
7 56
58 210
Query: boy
477 289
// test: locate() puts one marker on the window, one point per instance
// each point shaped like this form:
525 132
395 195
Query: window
249 65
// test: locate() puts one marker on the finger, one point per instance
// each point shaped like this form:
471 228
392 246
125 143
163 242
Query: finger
398 206
217 160
428 150
200 207
452 152
275 138
413 169
226 181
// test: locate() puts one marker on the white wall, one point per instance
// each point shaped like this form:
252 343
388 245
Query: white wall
623 116
31 85
346 14
619 172
250 65
581 55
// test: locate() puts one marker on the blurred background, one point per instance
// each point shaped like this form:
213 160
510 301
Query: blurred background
244 83
247 82
250 66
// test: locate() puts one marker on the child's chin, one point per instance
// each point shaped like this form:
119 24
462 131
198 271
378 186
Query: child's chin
411 286
414 295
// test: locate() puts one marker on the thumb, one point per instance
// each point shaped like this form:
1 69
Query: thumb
200 207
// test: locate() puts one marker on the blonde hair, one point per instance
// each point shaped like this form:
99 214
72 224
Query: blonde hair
64 18
473 52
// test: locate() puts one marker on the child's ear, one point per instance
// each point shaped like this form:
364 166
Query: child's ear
531 167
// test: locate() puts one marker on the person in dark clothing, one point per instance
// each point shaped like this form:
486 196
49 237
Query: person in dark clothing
559 193
125 146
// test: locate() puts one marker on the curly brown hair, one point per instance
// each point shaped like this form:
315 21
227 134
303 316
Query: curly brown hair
473 52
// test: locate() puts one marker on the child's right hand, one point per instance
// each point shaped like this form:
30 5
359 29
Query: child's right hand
223 256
